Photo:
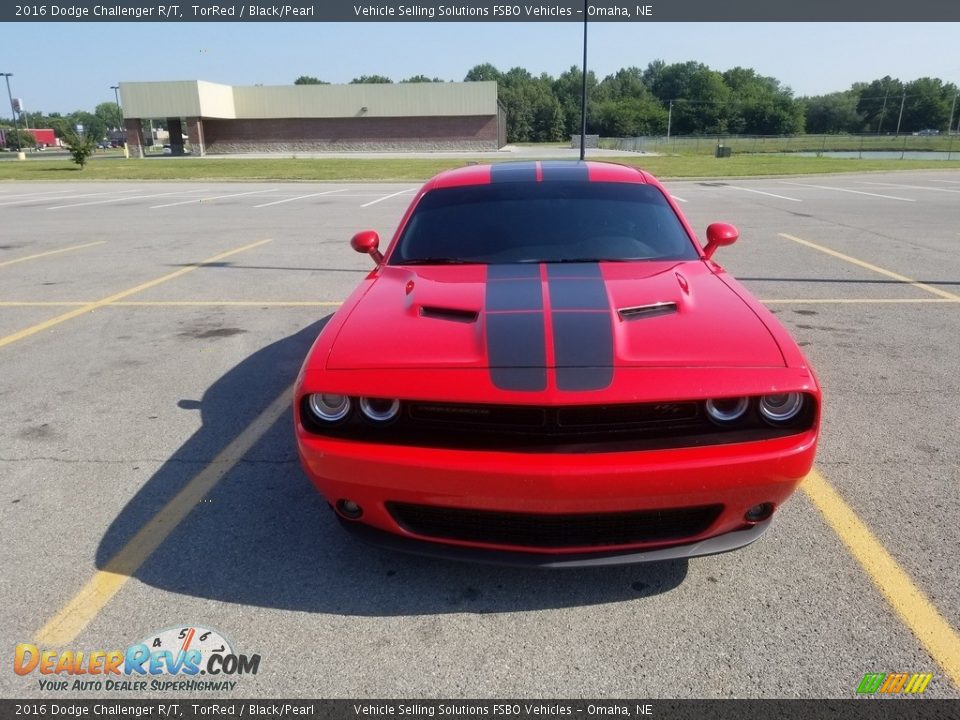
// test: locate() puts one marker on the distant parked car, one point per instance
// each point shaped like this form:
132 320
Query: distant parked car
928 131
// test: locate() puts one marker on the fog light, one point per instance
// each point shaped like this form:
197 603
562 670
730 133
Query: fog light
759 513
329 407
349 509
724 411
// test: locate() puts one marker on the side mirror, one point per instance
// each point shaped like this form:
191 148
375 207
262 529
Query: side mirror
368 242
719 235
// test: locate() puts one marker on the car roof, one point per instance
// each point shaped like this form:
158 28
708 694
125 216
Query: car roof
538 171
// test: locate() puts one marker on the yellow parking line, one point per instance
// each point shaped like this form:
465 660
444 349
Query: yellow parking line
83 607
874 268
868 301
46 324
913 607
51 252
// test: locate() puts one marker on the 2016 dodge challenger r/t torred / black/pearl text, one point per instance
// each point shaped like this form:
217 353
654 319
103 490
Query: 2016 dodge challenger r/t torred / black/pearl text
546 367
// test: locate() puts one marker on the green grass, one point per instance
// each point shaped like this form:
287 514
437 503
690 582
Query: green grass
418 169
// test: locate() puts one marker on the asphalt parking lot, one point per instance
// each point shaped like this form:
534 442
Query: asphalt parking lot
149 478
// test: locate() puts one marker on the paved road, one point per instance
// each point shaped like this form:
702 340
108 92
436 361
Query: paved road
130 371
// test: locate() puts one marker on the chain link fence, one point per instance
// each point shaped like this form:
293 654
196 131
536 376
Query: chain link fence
903 146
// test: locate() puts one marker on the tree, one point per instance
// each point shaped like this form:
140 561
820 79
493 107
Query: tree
92 125
371 79
833 113
17 139
480 73
422 79
110 114
879 102
760 105
927 105
80 145
567 89
309 80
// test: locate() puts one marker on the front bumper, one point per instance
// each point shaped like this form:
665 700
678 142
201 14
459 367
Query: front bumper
400 543
735 476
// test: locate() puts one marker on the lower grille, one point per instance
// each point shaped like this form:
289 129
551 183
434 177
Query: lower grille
554 531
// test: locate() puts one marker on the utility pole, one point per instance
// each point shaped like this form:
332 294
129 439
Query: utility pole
903 100
952 108
882 110
669 118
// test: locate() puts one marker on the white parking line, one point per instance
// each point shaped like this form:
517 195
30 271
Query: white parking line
761 192
119 199
6 196
855 192
387 197
25 200
678 199
216 197
908 187
300 197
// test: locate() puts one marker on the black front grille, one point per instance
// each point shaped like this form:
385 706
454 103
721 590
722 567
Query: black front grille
554 422
614 427
554 531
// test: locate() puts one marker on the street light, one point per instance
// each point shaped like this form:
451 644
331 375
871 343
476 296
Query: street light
15 120
116 95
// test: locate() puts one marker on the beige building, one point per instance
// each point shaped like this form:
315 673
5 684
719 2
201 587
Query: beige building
225 119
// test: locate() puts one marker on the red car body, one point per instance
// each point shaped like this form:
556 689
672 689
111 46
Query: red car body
556 414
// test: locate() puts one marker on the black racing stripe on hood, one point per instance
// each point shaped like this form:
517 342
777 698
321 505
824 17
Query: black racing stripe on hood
514 322
513 271
583 348
569 171
507 295
516 350
513 172
581 317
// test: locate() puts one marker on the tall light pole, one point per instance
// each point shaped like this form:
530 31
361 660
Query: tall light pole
669 119
116 95
15 120
583 90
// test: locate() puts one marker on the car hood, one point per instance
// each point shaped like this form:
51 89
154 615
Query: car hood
624 314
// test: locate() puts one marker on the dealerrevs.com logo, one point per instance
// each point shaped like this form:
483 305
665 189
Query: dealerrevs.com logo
187 658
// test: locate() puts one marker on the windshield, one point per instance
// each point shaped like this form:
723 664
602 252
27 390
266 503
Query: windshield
543 222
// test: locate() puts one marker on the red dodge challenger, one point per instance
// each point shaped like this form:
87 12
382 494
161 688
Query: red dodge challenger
546 367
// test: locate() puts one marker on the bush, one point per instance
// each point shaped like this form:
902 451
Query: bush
81 146
26 140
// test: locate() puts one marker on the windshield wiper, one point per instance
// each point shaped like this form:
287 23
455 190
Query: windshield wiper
436 261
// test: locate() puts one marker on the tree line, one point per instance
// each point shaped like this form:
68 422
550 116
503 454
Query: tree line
692 99
689 98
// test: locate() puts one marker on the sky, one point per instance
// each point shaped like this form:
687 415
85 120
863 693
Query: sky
62 67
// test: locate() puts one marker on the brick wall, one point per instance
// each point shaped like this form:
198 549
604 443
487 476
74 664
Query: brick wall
469 133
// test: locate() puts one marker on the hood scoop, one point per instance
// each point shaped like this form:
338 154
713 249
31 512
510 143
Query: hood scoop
451 314
640 312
